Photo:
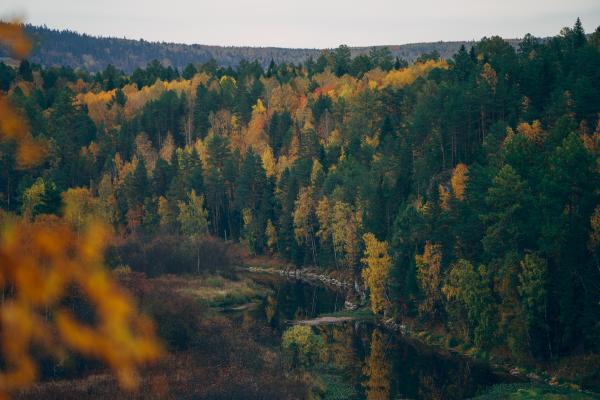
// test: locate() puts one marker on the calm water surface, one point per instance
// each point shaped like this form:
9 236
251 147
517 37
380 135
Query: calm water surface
379 364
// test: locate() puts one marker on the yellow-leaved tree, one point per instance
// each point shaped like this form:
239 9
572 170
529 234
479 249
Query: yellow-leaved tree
323 211
33 197
304 229
444 197
271 235
269 162
193 220
429 276
79 207
379 264
346 226
405 76
459 181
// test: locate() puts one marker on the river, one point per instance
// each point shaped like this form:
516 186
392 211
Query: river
362 360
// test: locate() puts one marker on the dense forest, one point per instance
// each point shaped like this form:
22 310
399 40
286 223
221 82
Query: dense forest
462 192
66 48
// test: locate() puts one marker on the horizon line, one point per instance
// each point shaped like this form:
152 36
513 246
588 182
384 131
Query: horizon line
101 36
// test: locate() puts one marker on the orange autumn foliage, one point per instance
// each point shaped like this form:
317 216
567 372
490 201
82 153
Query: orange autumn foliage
12 127
489 76
533 132
29 150
40 261
283 98
444 197
460 177
592 144
11 35
96 102
255 136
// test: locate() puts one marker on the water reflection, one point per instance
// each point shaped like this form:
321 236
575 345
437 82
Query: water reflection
291 300
378 368
380 365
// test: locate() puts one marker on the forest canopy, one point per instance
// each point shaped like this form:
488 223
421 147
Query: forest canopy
464 190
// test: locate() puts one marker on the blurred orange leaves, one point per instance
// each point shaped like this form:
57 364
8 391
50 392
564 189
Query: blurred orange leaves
11 34
40 262
12 126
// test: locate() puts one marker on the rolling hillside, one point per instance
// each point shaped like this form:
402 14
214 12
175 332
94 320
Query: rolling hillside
54 47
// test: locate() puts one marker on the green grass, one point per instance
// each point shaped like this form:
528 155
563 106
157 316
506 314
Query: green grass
336 388
528 391
218 291
215 281
332 384
361 313
231 299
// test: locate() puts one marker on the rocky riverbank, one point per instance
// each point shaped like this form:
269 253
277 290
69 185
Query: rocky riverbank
306 275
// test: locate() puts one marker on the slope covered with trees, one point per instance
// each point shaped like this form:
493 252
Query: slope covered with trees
67 48
464 191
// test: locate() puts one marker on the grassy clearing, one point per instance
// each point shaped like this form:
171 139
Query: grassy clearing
329 382
214 290
335 387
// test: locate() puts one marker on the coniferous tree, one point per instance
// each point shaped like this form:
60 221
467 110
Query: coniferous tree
25 71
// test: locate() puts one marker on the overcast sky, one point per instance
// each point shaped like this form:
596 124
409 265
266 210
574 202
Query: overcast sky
306 23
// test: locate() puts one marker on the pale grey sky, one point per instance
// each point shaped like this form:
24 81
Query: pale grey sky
306 23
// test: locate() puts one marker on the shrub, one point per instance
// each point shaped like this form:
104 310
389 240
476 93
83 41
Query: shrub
176 317
302 347
214 281
171 254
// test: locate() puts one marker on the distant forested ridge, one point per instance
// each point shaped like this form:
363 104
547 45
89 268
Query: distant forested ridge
68 48
463 192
